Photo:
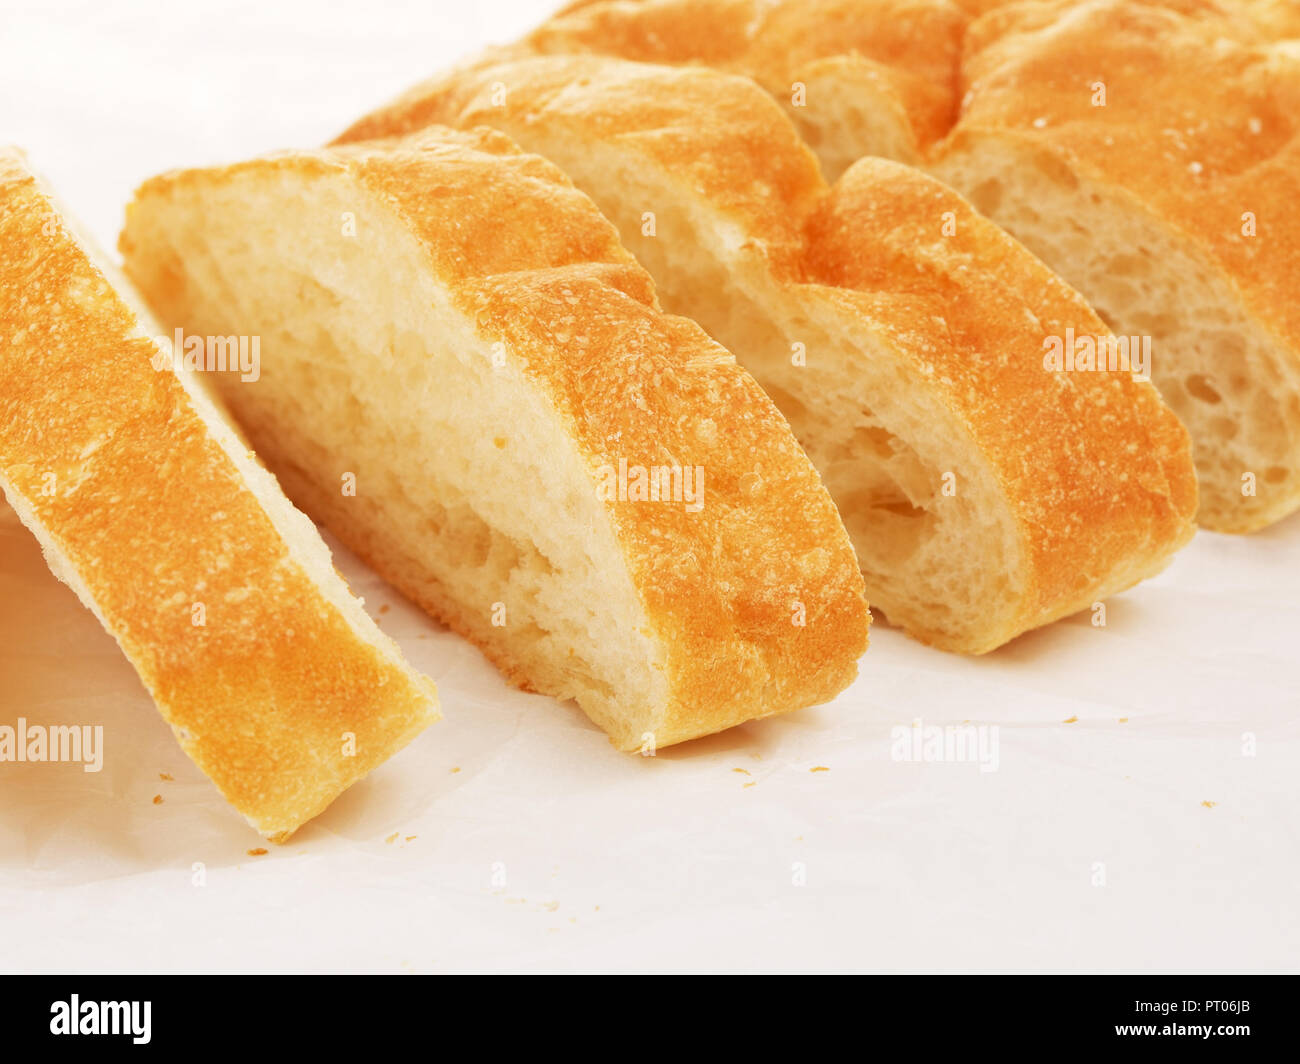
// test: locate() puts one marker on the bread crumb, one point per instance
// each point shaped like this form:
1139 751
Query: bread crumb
742 770
411 838
1123 720
500 442
384 609
164 777
550 906
456 769
1209 805
819 768
1070 720
393 837
750 784
259 852
157 799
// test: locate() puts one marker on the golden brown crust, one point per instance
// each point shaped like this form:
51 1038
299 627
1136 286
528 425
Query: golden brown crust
150 516
1095 468
903 52
532 262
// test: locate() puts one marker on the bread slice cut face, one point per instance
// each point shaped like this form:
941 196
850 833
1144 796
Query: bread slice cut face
144 500
902 335
467 377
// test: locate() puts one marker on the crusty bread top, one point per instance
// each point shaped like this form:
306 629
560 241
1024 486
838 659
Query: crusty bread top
1198 127
908 49
534 263
909 52
155 508
1096 469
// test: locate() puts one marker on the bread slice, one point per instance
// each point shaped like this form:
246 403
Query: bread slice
901 334
223 597
590 490
1171 205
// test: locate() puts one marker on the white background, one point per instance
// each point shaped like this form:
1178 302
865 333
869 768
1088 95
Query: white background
683 861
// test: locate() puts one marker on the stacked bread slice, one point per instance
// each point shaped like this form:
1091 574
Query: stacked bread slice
591 490
147 504
1147 150
901 334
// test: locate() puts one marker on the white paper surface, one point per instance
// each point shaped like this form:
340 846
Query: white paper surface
511 835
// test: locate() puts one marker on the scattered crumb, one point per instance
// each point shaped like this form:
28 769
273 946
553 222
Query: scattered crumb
157 799
456 769
384 609
393 837
819 768
1209 805
596 909
164 777
411 838
259 852
742 770
500 442
751 784
1070 720
550 906
1123 720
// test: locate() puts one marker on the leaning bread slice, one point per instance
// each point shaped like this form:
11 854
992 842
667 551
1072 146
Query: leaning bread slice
222 596
902 335
1161 181
468 378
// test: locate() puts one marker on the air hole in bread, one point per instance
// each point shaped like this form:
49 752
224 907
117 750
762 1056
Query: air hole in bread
1198 384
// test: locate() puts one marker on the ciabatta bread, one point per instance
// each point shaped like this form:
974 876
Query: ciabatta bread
1161 178
1142 202
901 334
223 597
592 491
